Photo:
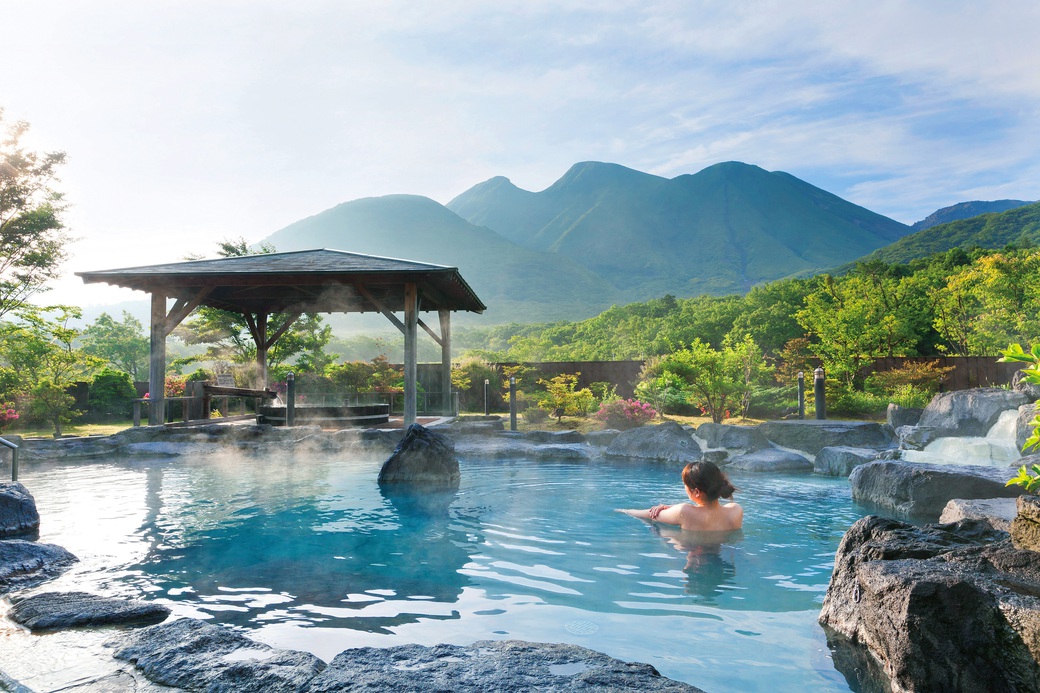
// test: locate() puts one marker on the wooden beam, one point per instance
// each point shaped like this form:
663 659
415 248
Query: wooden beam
183 307
292 317
363 290
430 332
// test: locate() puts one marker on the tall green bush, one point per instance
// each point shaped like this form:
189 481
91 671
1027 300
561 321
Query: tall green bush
110 395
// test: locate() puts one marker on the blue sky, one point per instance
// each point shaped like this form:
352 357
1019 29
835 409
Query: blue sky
186 122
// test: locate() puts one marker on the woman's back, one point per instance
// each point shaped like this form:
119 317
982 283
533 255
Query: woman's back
712 518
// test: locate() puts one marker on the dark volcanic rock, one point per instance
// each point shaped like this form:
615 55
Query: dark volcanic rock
770 460
666 442
56 610
924 490
813 436
1025 528
506 665
840 460
188 653
970 412
27 563
423 458
743 438
941 608
18 515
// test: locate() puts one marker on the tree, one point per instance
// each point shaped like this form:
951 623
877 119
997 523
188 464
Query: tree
860 317
40 346
228 336
32 241
39 349
123 344
993 302
718 381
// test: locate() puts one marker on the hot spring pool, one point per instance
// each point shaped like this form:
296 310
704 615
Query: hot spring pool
311 556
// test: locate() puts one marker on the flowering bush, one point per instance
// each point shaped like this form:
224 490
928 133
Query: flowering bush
624 413
174 385
7 414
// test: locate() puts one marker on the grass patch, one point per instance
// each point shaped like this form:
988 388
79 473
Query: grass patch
589 424
82 429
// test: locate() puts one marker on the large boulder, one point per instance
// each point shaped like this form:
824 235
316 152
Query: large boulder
18 514
840 460
422 458
897 416
666 442
730 437
24 564
57 610
923 490
970 412
554 437
188 653
488 665
995 512
939 608
811 436
770 460
918 437
1023 425
1019 384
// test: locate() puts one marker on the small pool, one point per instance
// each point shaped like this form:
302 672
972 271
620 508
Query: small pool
312 556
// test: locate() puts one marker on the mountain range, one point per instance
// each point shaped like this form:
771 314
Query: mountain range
605 234
1020 225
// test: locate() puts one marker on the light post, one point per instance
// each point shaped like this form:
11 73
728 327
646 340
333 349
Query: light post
820 393
512 403
486 383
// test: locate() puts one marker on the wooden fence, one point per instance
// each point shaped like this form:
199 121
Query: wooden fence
968 371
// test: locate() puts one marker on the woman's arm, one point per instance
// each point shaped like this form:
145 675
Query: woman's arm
668 514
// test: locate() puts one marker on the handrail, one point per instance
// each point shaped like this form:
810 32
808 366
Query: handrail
14 457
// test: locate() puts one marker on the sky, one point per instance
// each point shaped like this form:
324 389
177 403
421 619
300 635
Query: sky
187 122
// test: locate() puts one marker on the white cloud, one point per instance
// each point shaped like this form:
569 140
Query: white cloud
189 121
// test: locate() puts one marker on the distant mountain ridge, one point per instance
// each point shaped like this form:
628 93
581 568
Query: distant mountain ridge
605 234
991 231
966 210
516 283
721 230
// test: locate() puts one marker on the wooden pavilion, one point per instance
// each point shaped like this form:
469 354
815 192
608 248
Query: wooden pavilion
294 283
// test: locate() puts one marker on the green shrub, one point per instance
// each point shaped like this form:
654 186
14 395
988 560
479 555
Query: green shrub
534 415
111 395
467 377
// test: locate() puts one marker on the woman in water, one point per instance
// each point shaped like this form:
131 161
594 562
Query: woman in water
705 485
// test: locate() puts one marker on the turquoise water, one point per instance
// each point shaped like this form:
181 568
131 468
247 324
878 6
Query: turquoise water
310 555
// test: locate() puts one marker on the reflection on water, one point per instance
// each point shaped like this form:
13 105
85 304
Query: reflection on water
709 568
314 556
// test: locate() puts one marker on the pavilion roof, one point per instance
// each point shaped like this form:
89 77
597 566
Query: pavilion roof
318 281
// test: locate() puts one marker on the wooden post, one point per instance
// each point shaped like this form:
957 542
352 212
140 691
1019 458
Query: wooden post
261 349
445 317
157 364
411 329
